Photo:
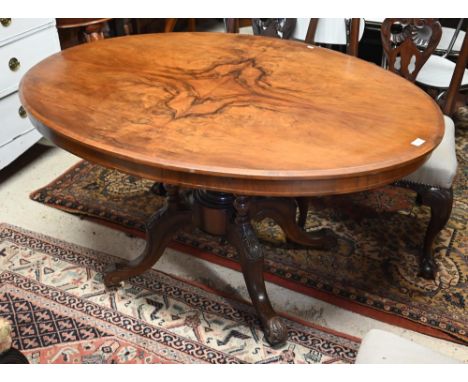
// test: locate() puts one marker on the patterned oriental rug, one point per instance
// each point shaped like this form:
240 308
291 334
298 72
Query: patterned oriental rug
52 293
374 272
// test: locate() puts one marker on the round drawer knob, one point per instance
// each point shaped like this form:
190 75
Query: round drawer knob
14 64
22 113
5 22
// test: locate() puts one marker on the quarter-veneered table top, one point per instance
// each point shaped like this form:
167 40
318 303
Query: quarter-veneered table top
235 113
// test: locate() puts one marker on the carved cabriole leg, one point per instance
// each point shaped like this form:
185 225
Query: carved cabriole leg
242 236
440 201
159 231
283 212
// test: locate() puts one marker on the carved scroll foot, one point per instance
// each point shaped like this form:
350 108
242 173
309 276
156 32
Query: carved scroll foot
283 212
242 236
276 332
159 231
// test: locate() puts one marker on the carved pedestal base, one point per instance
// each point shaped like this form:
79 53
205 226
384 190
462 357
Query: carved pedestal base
229 216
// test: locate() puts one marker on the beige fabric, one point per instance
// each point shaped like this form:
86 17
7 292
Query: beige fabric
440 169
380 347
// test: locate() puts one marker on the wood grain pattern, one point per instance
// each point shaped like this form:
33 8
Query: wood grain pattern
233 113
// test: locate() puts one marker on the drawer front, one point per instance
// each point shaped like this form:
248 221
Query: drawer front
19 56
11 29
13 119
13 150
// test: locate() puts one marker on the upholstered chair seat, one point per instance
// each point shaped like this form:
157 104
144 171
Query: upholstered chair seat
441 167
437 73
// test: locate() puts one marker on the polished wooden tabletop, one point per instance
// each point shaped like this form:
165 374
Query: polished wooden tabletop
234 113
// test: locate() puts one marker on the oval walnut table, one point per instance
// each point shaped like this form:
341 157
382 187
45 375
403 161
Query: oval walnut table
244 124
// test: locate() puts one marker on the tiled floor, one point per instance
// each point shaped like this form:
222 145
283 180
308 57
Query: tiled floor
40 166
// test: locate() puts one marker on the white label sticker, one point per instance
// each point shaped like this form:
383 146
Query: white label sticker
418 142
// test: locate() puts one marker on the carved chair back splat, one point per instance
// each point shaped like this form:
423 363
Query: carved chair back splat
408 44
280 28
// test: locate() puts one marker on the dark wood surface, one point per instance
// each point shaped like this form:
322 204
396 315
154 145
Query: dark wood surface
171 23
235 113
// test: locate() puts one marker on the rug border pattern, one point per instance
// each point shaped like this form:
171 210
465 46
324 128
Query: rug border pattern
345 350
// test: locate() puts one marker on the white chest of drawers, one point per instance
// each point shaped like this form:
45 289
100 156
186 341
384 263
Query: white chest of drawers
23 43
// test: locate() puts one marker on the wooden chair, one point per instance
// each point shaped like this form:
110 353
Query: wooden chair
437 70
171 23
75 31
449 45
231 25
401 40
235 25
336 31
346 32
432 181
280 28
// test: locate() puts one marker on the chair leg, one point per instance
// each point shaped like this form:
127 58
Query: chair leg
191 25
440 201
170 25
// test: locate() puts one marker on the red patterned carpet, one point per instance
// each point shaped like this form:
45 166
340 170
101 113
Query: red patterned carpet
374 271
52 293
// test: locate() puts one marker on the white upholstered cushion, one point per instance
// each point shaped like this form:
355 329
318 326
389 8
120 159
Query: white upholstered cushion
440 169
379 347
438 71
447 35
